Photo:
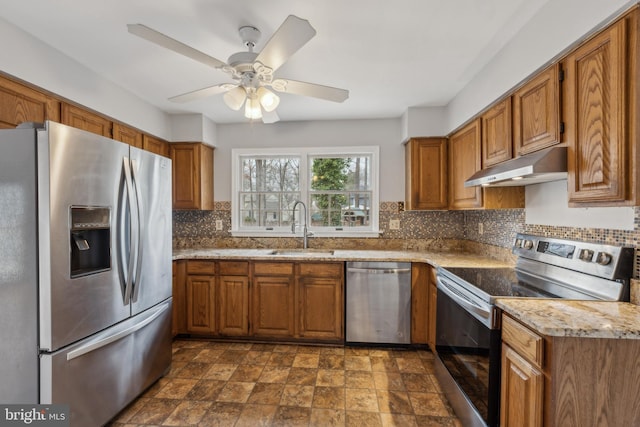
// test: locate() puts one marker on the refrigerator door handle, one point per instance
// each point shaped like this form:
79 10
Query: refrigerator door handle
103 341
133 219
140 230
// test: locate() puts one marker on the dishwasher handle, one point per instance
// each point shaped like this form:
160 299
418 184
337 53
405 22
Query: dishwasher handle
379 270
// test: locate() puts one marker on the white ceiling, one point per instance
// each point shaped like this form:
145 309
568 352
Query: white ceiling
390 55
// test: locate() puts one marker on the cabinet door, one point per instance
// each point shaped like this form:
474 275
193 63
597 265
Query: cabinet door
521 391
127 135
20 104
179 319
536 112
426 173
496 134
596 118
200 301
419 302
85 120
433 300
192 176
464 161
273 307
320 308
155 145
233 305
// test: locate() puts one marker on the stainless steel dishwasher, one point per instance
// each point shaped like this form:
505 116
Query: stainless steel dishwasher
378 302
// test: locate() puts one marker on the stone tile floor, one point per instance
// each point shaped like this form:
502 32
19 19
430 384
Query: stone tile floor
245 384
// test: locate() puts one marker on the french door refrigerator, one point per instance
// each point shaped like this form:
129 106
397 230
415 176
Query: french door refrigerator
85 270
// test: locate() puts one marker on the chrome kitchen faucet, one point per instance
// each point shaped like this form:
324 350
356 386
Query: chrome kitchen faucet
305 232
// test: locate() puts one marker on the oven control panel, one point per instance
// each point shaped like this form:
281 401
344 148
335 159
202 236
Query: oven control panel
607 261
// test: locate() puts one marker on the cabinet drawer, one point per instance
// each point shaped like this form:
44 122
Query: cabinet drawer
527 343
233 268
321 269
201 267
273 268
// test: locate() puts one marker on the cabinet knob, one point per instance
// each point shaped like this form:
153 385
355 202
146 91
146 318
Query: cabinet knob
603 258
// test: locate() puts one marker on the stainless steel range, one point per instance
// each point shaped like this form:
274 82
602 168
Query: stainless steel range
468 326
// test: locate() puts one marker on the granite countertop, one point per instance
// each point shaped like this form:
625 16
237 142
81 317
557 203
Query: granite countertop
584 319
435 258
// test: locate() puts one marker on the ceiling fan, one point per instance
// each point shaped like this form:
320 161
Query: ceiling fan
252 72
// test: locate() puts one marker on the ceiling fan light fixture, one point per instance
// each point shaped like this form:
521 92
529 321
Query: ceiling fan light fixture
235 97
268 99
252 108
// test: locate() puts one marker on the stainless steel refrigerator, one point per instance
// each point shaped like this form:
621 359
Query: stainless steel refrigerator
85 270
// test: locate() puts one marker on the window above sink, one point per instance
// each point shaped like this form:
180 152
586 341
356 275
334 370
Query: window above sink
338 184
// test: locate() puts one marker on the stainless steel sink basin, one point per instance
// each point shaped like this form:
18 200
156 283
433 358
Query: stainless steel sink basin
302 252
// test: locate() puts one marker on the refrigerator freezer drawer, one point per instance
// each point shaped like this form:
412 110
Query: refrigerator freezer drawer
99 376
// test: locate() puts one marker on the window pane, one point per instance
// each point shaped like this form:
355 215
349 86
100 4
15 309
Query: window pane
270 174
341 173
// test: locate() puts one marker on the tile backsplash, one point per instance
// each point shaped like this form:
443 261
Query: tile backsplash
491 231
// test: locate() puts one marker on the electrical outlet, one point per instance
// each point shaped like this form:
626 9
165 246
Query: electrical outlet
394 224
219 225
480 228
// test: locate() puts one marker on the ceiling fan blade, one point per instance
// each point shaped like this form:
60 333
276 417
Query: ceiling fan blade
269 117
201 93
291 36
167 42
310 89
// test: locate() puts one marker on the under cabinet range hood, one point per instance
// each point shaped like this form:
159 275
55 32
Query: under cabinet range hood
545 165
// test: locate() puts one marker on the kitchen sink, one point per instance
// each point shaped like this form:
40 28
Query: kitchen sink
303 252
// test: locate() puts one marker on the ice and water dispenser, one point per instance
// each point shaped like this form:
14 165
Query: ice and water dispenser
90 233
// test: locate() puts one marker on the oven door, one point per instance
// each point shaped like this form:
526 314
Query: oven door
469 355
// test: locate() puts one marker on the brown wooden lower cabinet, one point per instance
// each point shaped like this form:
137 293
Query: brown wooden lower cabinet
419 303
179 308
567 381
320 292
200 297
233 298
433 300
273 312
201 303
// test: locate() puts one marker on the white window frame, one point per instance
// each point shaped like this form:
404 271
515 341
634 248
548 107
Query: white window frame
304 153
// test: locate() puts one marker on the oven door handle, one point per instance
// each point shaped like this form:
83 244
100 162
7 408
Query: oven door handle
467 304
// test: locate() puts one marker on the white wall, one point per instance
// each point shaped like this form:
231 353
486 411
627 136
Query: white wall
424 121
384 133
33 61
556 26
193 128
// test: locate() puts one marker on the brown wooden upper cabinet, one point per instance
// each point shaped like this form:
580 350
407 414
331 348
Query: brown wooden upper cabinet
155 145
127 135
497 143
19 103
426 173
192 165
602 116
85 120
464 161
536 112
